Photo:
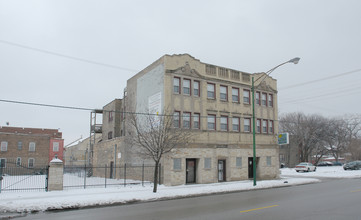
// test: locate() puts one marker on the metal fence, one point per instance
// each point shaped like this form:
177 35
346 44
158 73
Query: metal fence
17 177
107 176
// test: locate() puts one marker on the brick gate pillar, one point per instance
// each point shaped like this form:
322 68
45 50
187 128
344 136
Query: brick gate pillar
55 178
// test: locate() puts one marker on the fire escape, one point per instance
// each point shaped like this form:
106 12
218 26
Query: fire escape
95 128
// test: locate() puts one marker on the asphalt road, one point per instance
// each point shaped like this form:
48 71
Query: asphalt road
331 199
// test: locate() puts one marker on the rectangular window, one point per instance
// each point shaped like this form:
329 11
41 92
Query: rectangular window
269 161
282 158
270 127
223 93
211 88
270 100
235 124
224 123
176 85
4 146
177 164
258 125
246 96
235 94
211 122
2 162
247 125
110 118
265 126
32 146
31 162
207 163
196 86
258 98
110 135
186 86
55 146
18 161
264 99
186 120
239 162
196 120
176 119
20 145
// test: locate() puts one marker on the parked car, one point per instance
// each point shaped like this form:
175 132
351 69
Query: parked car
337 163
324 164
305 167
354 165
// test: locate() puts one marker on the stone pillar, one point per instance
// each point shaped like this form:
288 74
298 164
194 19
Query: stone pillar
55 178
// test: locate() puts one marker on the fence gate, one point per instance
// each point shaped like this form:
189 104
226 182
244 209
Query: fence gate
17 177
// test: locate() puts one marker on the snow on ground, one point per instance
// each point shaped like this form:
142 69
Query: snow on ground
330 172
76 198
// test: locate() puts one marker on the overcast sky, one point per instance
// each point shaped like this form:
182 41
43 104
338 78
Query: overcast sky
45 46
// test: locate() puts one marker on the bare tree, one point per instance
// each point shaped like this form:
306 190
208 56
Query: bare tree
308 131
156 135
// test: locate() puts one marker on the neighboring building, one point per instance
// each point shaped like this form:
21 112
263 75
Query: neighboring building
77 154
30 147
215 103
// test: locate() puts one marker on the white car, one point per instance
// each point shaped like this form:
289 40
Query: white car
305 167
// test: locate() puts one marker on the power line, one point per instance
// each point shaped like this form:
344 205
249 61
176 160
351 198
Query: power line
67 56
319 80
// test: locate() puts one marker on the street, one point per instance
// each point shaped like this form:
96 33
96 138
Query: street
330 199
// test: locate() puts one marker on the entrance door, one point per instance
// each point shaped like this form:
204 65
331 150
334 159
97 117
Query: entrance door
250 166
221 170
190 170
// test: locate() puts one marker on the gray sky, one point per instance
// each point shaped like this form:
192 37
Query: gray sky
251 36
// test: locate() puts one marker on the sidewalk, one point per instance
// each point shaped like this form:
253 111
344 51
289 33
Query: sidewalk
24 202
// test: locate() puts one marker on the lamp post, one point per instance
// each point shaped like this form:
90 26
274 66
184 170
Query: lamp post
295 61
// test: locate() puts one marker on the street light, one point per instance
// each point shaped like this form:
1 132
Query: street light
295 61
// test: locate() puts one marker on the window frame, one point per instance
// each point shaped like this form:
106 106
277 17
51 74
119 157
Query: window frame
259 126
212 92
244 125
18 161
30 146
179 85
196 82
3 165
246 99
235 89
270 100
20 145
238 124
4 146
212 116
54 146
110 116
264 101
258 99
270 127
222 118
178 119
221 93
196 115
265 126
190 86
33 163
189 121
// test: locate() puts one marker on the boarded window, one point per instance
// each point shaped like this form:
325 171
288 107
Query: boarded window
177 164
207 163
239 162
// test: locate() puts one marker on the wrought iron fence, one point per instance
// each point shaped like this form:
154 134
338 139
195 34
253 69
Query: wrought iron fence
106 176
17 177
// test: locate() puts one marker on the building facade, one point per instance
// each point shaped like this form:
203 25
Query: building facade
29 147
215 103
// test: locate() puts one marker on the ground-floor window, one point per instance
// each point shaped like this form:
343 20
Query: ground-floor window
177 163
269 161
239 162
207 163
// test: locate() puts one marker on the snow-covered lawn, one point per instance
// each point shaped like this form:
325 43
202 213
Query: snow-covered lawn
330 172
41 201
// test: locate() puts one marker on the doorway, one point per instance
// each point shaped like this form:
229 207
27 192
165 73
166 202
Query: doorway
221 170
250 166
191 170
